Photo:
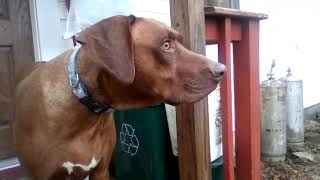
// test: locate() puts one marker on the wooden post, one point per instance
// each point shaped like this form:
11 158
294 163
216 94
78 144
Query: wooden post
247 98
224 48
187 17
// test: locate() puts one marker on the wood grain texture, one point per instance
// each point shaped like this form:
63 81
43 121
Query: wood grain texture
187 17
16 52
218 3
6 88
7 149
234 13
4 10
247 99
23 53
235 4
5 33
224 53
6 81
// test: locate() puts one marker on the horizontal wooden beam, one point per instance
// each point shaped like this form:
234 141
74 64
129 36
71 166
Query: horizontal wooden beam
234 13
213 34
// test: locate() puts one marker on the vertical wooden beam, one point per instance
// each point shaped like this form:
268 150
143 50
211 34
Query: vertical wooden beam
235 4
224 47
219 3
247 98
187 16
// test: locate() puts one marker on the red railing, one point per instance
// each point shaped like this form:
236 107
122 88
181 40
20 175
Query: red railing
225 26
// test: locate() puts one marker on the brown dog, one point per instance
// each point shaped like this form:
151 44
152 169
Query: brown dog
125 62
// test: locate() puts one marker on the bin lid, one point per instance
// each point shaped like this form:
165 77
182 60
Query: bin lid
217 162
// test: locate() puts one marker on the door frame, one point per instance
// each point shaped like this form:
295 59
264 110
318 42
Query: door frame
35 29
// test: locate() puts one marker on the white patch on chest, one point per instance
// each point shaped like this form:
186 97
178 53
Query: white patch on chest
69 165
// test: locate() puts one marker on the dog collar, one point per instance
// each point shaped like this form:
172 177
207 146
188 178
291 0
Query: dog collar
80 90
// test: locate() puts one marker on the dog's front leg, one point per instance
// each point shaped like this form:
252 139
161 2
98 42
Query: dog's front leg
100 172
99 175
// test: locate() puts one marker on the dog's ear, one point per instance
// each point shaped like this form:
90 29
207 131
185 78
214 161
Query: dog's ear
109 43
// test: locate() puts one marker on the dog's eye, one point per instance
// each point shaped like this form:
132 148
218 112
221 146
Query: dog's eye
166 45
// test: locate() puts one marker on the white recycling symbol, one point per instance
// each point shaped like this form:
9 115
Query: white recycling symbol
128 139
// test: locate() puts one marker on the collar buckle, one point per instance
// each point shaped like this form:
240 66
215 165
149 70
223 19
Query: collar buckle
74 80
80 90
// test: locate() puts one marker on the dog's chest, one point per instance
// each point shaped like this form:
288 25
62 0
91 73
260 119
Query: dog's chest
71 166
87 150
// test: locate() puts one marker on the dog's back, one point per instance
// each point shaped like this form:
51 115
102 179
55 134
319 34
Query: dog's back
28 70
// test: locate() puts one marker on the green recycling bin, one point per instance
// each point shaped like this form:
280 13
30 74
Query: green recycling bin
217 169
143 149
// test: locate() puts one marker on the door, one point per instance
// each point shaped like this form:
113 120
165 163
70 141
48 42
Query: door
16 52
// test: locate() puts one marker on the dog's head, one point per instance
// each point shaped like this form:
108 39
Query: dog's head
148 60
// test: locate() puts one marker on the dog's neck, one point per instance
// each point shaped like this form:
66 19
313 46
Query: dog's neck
106 88
81 89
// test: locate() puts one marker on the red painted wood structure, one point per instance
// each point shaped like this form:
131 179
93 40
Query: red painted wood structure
224 26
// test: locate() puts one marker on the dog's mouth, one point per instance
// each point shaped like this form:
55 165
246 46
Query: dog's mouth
218 79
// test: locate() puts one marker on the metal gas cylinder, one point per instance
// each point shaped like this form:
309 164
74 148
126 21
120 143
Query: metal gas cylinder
273 119
295 122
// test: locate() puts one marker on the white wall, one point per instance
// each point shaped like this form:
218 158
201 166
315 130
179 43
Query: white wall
157 9
49 21
291 36
48 26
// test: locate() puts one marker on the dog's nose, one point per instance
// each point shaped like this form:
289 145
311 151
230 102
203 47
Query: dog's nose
218 71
